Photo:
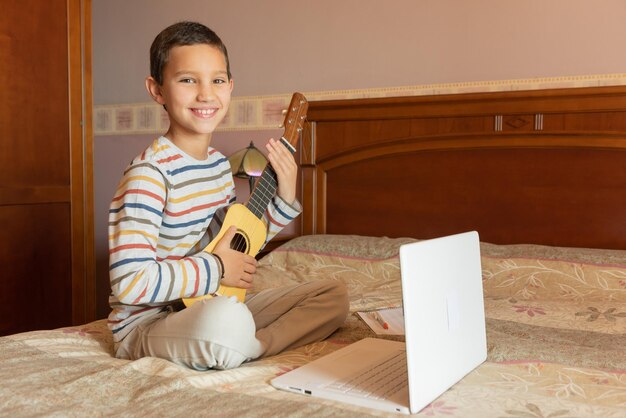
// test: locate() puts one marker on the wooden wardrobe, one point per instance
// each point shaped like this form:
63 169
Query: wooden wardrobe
46 192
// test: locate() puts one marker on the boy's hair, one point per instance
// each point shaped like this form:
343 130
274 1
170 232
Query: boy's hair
179 34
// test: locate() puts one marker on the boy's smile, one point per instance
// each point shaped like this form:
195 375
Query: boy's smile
205 112
196 94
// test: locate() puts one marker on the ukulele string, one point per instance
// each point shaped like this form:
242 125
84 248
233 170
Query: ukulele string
235 243
266 186
239 244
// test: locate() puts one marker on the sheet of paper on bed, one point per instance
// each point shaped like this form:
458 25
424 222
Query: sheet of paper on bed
387 321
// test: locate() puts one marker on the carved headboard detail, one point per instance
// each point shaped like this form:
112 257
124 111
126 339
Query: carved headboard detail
541 167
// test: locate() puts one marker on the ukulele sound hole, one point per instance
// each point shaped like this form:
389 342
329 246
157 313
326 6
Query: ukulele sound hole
240 242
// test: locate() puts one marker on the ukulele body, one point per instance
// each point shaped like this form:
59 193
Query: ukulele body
249 239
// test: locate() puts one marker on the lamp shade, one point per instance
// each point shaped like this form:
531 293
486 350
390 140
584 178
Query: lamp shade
248 163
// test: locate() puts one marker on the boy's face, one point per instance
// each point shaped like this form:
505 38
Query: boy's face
196 90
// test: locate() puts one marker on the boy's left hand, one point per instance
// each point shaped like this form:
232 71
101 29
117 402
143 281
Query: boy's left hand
284 164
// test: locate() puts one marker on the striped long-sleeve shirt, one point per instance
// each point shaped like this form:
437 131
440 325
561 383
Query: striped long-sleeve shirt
168 206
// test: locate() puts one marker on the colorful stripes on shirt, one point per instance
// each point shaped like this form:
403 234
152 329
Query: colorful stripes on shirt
167 208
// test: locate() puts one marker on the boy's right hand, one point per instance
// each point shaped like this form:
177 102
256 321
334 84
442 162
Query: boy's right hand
239 268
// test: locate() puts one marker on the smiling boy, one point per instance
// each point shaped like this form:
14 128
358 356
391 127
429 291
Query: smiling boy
171 202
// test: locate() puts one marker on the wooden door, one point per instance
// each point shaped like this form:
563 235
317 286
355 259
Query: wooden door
46 238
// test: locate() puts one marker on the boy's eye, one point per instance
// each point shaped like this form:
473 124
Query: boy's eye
186 80
219 81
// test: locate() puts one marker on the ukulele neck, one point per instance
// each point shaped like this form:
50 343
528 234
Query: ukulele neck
265 187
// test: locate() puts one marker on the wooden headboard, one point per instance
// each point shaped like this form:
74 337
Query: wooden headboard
540 167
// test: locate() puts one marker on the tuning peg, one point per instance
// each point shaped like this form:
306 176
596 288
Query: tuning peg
282 125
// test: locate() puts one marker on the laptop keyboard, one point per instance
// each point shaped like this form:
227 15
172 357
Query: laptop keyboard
380 382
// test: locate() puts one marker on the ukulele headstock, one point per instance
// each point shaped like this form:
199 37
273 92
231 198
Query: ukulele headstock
294 120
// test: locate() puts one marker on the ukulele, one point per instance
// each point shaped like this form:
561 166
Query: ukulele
248 218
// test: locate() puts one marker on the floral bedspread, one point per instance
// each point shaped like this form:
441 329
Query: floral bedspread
556 331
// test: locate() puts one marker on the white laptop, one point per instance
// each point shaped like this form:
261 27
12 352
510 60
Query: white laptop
445 335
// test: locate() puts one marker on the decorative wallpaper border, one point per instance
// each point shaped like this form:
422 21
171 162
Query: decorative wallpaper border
266 112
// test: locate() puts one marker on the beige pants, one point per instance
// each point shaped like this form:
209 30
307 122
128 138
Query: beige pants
222 333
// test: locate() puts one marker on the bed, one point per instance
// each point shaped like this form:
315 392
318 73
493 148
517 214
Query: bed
539 174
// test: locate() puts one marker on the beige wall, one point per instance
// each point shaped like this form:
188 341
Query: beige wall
280 46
